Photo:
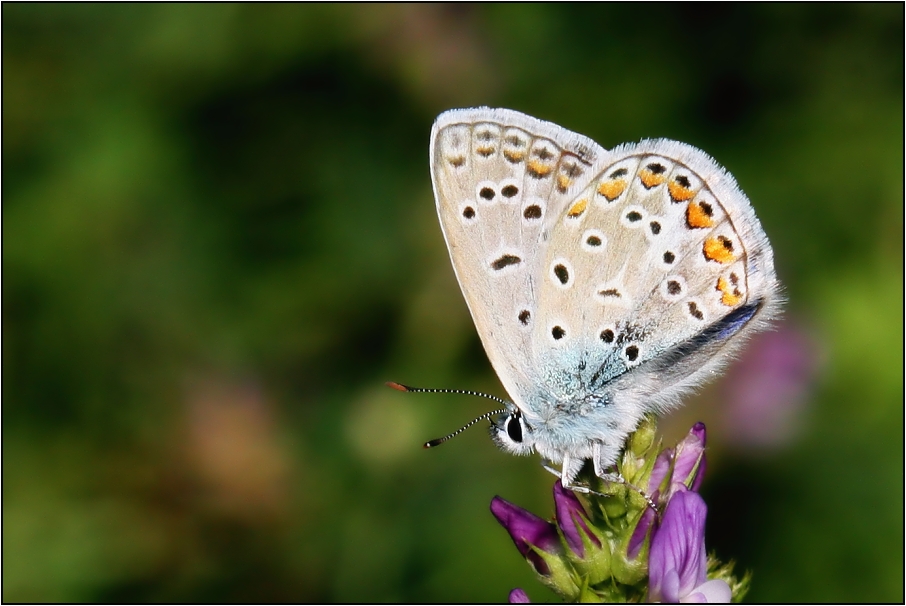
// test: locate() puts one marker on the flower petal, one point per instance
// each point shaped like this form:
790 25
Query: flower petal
677 558
689 457
670 588
526 529
638 535
569 518
715 591
660 470
518 596
699 473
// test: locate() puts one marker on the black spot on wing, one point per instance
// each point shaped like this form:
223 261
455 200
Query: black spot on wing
505 261
695 312
532 212
543 153
571 169
585 155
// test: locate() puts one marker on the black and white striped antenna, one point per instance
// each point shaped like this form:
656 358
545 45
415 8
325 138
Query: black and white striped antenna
465 392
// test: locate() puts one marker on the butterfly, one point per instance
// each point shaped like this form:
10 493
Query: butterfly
604 284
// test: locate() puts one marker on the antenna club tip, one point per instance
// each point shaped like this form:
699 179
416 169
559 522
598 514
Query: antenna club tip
433 443
396 386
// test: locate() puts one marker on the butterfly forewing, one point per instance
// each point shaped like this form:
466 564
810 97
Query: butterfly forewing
499 179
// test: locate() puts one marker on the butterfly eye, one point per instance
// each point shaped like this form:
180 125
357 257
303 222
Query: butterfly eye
514 428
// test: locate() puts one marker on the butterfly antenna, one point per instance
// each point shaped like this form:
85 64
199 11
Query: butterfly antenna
466 392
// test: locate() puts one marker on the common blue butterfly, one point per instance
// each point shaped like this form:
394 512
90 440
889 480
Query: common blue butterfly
604 284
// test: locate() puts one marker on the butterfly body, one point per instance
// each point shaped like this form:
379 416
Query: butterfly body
604 284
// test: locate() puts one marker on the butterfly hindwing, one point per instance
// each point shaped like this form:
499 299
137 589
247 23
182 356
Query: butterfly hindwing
660 246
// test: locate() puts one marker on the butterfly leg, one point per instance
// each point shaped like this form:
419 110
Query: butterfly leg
598 456
607 477
569 469
548 465
567 473
576 465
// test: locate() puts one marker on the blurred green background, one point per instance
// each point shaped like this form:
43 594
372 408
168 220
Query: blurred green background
219 240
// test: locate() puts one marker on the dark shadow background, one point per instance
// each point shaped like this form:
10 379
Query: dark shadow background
219 241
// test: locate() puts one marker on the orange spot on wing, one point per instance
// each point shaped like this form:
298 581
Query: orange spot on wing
539 168
697 217
649 179
612 189
578 208
719 249
678 193
514 155
485 150
731 295
563 182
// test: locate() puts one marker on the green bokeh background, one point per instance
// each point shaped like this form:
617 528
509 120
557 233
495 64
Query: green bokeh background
219 241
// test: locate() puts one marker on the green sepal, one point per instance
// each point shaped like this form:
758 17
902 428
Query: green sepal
595 566
643 438
642 476
614 505
562 577
633 464
587 595
631 571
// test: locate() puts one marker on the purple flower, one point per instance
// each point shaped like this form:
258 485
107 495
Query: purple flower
688 463
527 530
518 596
677 565
570 519
629 549
688 460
